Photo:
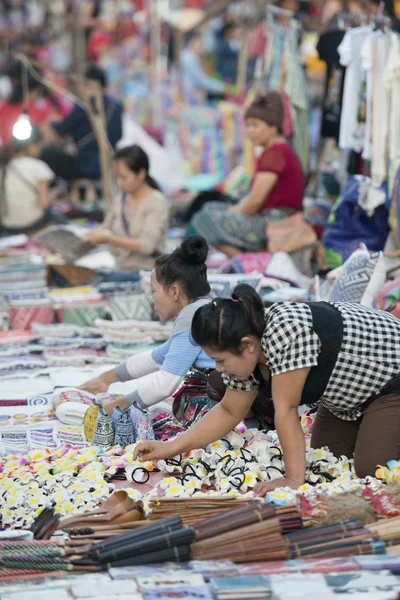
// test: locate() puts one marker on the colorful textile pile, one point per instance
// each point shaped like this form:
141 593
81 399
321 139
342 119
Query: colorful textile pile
79 306
25 272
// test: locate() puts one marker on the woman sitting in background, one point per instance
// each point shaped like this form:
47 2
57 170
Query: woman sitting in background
276 190
24 187
136 227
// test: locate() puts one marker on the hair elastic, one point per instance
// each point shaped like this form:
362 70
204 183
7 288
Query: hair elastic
235 299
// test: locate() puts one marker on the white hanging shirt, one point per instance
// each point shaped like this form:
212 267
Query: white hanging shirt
351 135
392 83
380 109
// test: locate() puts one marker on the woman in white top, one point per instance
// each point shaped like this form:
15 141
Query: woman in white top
24 186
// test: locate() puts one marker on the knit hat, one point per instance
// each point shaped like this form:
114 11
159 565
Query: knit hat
268 107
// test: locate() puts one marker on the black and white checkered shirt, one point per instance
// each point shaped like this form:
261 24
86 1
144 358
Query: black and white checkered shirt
368 359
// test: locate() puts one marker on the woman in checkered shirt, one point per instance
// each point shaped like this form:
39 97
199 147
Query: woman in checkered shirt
342 357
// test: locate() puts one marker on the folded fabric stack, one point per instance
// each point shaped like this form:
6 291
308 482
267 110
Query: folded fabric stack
22 273
23 364
79 306
222 285
127 301
76 357
133 331
120 352
25 309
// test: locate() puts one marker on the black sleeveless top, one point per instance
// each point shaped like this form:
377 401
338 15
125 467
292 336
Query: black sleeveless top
328 325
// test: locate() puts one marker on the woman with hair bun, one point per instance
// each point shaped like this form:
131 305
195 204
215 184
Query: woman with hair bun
180 287
342 357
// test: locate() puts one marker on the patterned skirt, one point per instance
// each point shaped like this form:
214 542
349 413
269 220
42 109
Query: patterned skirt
246 232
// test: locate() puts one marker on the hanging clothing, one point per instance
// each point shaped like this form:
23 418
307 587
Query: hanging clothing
327 49
380 110
392 82
284 72
366 61
351 135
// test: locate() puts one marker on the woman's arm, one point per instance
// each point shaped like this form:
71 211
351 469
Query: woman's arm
262 186
286 393
136 366
99 236
155 223
43 193
100 384
224 417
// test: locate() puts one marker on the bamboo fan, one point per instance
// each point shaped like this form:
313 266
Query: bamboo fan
192 510
265 528
387 529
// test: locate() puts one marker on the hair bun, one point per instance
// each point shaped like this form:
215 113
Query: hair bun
194 250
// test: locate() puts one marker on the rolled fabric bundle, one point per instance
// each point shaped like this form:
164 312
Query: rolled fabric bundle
265 528
182 537
148 531
252 513
175 554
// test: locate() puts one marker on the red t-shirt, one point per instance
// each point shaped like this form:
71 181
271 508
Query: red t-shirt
289 189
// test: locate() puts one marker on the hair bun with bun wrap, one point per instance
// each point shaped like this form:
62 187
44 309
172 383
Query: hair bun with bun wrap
194 250
269 107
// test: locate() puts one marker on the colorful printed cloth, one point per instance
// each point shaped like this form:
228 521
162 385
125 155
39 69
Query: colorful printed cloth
246 232
191 403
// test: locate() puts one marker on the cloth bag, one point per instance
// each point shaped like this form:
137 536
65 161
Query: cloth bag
290 234
142 424
103 434
89 420
123 427
360 216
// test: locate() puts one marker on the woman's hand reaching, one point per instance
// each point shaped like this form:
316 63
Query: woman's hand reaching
235 210
154 451
97 237
262 488
95 386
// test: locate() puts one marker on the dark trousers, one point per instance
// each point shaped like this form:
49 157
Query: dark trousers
372 440
64 165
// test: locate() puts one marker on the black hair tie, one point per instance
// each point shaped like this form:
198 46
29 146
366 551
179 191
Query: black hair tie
144 471
172 462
